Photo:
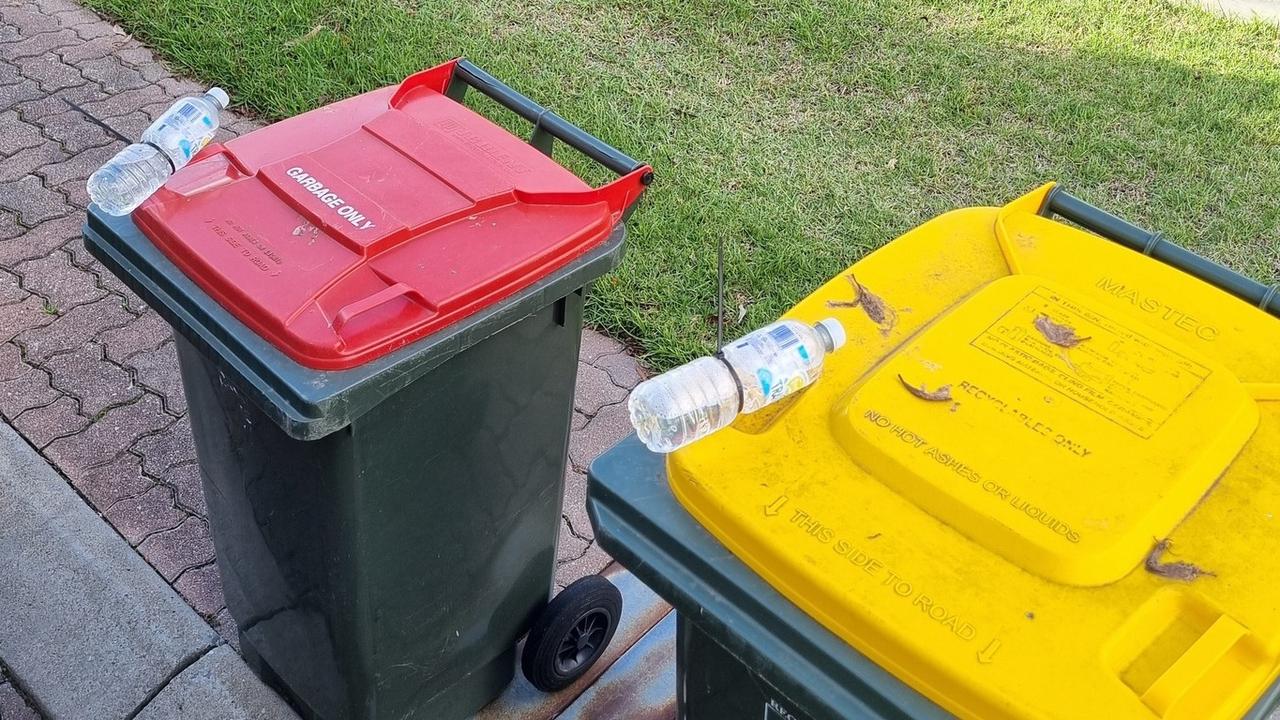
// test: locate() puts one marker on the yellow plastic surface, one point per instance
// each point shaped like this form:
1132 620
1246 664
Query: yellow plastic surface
991 549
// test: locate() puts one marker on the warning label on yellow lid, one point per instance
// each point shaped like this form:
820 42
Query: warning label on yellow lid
1110 368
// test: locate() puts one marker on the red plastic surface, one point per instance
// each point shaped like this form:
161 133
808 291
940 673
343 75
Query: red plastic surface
349 231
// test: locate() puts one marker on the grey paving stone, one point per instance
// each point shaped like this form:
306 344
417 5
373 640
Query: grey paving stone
158 370
11 364
17 135
105 485
188 489
201 587
56 279
9 73
107 437
48 70
74 132
227 628
595 390
34 110
10 290
32 201
595 345
41 425
592 561
39 240
609 426
54 7
623 369
126 102
173 551
153 72
41 44
13 706
76 193
218 686
145 333
11 95
130 125
79 166
92 49
163 450
28 388
28 160
98 30
23 315
95 381
112 74
144 515
570 547
575 503
28 20
180 86
76 17
74 328
135 53
9 227
88 628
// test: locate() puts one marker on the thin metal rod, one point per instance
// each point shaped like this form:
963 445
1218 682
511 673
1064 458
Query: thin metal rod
720 292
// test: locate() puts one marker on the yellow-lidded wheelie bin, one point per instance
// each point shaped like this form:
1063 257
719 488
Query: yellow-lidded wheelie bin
1038 482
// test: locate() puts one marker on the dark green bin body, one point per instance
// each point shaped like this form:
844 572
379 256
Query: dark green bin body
386 534
744 651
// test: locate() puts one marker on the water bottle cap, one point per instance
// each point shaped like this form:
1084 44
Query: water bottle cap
219 96
835 330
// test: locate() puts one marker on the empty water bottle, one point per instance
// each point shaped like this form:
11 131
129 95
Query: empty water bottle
760 368
167 145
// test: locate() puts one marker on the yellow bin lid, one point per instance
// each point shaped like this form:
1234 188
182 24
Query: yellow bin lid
1038 482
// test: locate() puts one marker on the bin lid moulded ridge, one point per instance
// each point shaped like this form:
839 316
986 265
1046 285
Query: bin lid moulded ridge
352 230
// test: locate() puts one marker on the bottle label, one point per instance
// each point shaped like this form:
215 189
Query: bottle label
781 363
182 131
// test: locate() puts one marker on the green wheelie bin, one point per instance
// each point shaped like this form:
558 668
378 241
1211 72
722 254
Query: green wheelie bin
378 311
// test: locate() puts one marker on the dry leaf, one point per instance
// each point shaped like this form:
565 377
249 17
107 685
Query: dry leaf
876 309
1177 570
1060 335
942 394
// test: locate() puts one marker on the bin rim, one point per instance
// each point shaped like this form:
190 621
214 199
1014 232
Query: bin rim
307 403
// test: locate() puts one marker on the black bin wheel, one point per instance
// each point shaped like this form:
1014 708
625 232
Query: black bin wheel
571 633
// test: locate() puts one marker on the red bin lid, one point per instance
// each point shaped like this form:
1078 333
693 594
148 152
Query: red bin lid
352 230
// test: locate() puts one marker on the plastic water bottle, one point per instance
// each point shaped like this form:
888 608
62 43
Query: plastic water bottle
140 169
697 399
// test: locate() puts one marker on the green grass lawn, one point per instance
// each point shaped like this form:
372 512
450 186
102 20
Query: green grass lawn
808 132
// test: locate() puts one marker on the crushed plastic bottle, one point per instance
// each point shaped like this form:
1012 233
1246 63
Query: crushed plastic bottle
760 368
167 145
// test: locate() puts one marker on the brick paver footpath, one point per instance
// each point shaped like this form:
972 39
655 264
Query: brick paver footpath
88 373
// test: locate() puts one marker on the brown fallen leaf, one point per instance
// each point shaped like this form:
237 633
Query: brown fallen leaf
1177 570
303 38
1056 333
942 394
877 310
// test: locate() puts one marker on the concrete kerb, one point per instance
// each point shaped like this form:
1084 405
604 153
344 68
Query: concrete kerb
88 629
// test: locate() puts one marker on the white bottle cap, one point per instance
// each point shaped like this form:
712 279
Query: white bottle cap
835 330
219 96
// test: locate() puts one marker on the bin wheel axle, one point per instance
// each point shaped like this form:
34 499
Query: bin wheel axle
571 633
